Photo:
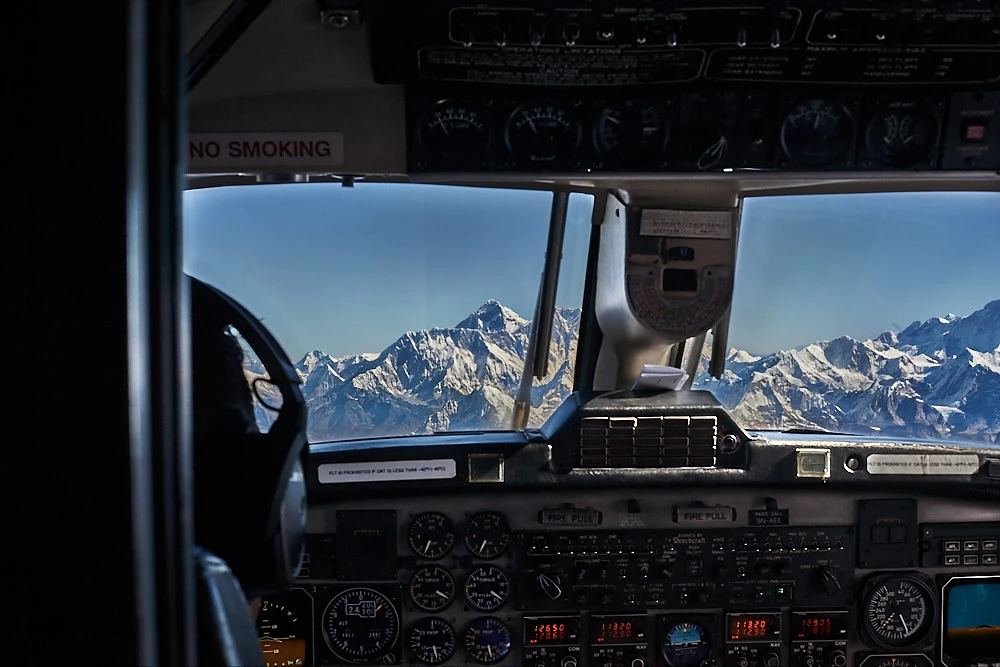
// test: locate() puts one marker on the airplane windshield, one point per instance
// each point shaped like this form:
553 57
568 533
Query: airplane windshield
866 314
406 309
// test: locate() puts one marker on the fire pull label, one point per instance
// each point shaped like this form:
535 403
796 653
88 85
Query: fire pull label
265 149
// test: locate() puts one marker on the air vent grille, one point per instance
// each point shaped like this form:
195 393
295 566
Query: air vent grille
648 442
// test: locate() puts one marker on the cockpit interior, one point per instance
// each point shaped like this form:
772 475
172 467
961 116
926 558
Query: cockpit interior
684 419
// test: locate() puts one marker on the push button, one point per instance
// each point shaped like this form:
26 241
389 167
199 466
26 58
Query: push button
970 560
970 545
952 560
974 130
784 593
953 545
693 567
897 534
989 559
989 545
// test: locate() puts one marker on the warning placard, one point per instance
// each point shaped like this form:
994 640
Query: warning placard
248 150
386 471
686 224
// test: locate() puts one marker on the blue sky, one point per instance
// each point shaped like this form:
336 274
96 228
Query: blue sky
349 270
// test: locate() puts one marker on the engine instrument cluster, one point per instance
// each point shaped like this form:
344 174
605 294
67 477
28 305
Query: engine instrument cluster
644 578
701 131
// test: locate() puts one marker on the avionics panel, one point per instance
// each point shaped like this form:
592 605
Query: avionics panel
453 128
646 577
607 44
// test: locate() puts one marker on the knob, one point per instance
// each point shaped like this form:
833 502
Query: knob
550 585
500 37
671 37
582 599
568 661
644 570
828 579
838 659
809 661
537 35
785 569
667 571
581 573
606 600
702 597
571 33
637 662
606 32
776 37
772 660
763 568
743 662
741 37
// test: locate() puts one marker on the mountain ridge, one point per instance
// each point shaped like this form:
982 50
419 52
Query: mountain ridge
938 378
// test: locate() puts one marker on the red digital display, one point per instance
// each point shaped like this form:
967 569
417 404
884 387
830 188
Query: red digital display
617 629
753 627
819 625
561 630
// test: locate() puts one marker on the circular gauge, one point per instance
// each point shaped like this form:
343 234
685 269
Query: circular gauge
431 641
898 612
432 588
282 632
487 588
454 129
543 131
487 640
817 133
431 535
891 661
632 129
487 534
360 625
902 134
686 643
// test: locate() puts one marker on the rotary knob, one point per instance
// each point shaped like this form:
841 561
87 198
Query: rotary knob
772 660
838 659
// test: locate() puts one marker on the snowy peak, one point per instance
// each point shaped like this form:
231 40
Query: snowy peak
492 316
950 335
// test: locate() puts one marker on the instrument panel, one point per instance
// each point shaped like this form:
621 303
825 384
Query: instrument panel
641 577
590 131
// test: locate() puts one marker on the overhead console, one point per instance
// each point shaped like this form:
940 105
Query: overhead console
591 87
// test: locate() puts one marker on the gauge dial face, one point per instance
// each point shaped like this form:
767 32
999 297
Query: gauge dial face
487 534
892 661
685 643
455 129
487 640
817 133
898 612
632 129
431 535
487 588
902 135
432 588
431 641
282 632
360 625
543 132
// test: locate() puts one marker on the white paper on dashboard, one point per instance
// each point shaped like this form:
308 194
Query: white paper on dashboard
654 376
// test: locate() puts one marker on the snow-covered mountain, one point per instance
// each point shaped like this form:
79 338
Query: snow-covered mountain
933 379
449 379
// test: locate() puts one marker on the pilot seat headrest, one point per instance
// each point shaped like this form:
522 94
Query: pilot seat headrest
250 496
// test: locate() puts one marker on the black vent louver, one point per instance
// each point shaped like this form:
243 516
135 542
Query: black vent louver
648 442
